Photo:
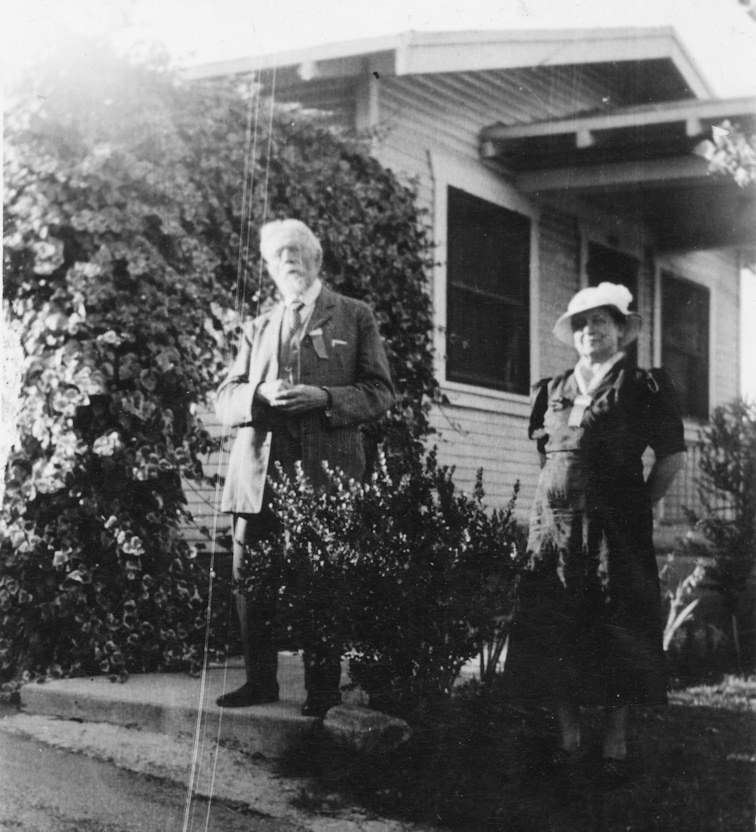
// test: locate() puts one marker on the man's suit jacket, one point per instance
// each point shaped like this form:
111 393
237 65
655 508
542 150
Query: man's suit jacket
340 350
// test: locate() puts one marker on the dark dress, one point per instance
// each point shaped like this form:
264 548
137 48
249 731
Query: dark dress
587 626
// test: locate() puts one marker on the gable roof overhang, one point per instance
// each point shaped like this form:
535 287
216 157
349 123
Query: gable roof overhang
635 159
644 160
417 53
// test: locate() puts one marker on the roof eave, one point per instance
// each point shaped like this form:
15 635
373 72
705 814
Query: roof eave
412 53
689 112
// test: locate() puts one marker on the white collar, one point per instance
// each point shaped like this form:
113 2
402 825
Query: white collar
309 296
587 388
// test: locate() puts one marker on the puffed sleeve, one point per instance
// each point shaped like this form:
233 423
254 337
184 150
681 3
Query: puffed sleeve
539 402
664 426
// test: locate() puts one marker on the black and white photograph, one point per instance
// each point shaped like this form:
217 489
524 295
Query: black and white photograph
378 416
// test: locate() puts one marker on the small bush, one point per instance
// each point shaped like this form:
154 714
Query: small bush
727 485
406 575
680 603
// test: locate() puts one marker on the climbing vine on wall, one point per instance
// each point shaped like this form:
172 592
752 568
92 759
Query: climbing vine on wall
132 202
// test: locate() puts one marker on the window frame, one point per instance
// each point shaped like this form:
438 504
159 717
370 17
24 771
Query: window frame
478 181
667 272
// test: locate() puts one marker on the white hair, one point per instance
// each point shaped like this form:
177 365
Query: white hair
272 229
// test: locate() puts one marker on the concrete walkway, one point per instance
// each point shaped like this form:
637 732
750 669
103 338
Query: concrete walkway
168 726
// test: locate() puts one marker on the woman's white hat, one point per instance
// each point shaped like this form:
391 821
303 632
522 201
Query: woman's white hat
605 294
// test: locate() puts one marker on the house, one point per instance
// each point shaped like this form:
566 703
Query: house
549 159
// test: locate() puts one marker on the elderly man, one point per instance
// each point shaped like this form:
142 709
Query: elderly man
308 373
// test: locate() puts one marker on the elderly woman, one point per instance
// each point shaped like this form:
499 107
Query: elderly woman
588 628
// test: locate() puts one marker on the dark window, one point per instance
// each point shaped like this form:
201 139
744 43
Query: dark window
685 343
488 291
608 265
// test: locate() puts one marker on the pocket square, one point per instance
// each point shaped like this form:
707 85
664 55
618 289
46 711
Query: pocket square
318 343
337 343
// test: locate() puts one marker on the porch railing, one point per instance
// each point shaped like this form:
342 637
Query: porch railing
685 491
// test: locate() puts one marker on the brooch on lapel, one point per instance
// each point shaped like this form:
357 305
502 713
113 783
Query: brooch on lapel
560 403
582 403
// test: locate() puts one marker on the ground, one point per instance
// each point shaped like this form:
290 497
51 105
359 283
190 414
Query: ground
471 765
477 768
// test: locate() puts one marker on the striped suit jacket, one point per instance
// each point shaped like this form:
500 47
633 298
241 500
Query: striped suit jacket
340 350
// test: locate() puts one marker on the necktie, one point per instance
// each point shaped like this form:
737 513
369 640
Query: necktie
291 326
296 318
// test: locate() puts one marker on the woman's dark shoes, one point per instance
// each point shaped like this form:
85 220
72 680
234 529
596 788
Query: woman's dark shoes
567 767
559 759
318 704
557 763
614 772
249 694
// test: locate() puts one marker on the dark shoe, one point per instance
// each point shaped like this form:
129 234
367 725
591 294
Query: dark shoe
553 764
248 694
614 772
559 759
319 705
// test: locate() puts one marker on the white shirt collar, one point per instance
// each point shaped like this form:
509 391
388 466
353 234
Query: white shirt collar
588 386
308 297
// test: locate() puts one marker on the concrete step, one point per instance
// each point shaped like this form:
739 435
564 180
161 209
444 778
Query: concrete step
178 704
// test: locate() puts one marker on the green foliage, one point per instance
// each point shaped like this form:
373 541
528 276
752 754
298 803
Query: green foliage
732 152
131 205
679 601
405 574
727 484
11 362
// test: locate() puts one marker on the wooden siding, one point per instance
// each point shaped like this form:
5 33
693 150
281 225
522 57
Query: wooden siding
470 439
444 113
203 500
559 279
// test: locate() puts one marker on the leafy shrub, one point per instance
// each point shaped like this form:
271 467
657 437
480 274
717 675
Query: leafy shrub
94 573
731 152
405 574
723 541
727 485
131 207
679 600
